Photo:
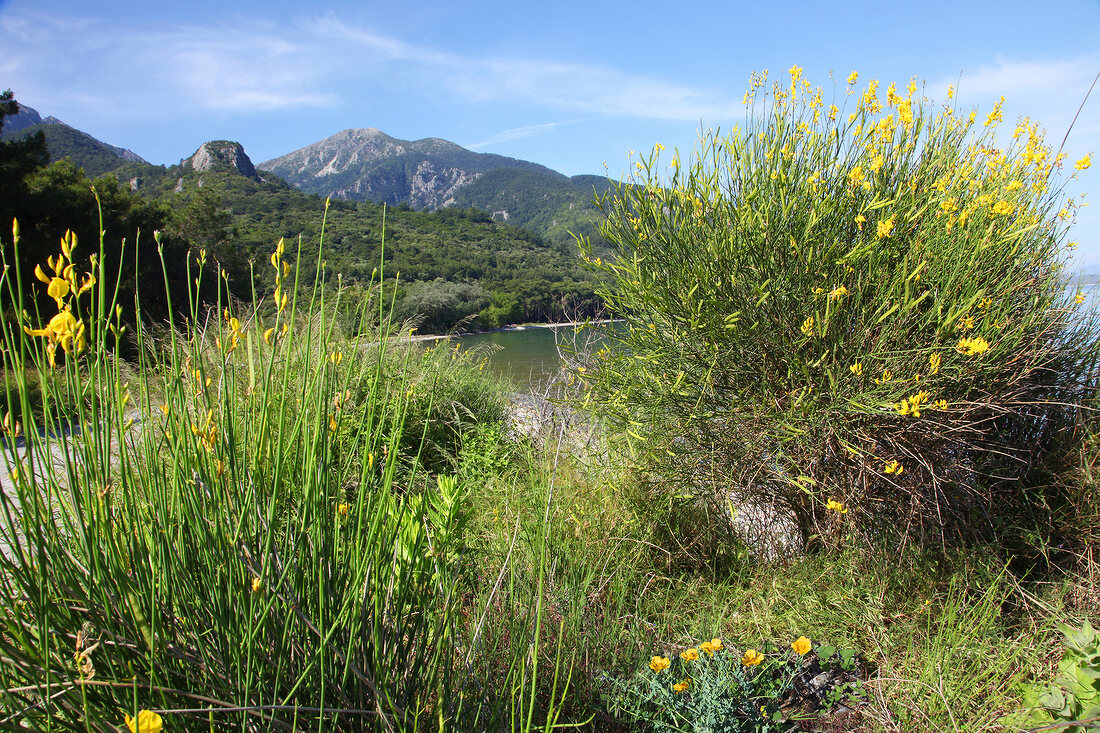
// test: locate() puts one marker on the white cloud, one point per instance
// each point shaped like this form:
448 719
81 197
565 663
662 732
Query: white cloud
519 133
587 88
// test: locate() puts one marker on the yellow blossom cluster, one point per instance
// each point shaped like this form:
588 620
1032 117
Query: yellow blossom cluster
972 346
235 333
64 329
208 433
911 405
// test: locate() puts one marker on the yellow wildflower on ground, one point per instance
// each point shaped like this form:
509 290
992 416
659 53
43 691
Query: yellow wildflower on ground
857 368
682 686
343 508
808 326
146 722
934 362
940 404
257 584
712 646
887 375
690 655
972 346
801 646
895 468
751 658
1003 207
658 664
836 506
839 293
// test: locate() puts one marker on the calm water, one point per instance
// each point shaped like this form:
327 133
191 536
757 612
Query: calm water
528 356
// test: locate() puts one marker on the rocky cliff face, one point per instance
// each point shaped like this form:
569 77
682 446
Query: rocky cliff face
222 155
368 165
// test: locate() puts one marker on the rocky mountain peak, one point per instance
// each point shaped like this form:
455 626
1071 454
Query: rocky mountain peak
26 117
221 155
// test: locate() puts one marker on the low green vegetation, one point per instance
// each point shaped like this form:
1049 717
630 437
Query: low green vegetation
276 513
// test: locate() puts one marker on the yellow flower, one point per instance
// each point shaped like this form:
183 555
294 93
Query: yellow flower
853 78
658 664
681 686
895 468
690 655
934 362
65 330
808 326
257 584
801 646
342 508
58 289
712 646
336 357
1084 163
836 506
887 375
857 368
973 346
1003 207
911 405
1080 298
839 293
885 228
940 404
146 722
751 658
859 221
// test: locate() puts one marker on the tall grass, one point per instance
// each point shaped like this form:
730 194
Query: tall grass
239 529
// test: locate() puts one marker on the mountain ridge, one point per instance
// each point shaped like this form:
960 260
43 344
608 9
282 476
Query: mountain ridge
366 164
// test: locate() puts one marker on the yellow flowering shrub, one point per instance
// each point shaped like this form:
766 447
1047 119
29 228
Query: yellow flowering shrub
785 285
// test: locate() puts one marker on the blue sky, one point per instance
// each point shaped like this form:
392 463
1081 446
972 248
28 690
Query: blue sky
571 85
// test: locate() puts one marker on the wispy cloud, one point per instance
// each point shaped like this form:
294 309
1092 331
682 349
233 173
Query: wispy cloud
588 88
139 68
519 133
249 65
1048 90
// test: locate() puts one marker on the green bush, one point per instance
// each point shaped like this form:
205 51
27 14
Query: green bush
231 532
855 314
1073 701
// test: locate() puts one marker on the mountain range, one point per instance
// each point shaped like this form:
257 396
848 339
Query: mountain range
364 165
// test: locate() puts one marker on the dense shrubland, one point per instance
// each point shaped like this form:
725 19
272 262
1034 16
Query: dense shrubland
274 513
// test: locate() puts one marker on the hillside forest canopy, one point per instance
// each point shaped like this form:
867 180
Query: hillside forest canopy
454 269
